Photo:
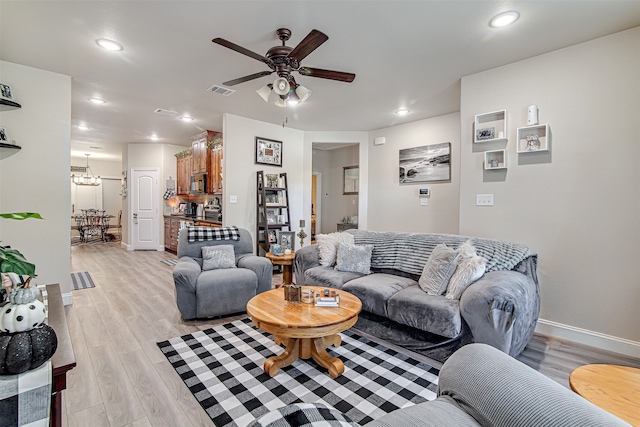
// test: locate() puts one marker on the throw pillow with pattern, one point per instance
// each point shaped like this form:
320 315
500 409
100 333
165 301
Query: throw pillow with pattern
438 270
354 258
219 256
328 246
470 268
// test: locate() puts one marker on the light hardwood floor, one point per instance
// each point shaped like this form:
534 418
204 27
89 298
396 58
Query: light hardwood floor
122 378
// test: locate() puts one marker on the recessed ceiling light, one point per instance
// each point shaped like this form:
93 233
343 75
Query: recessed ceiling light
505 18
97 101
109 44
186 119
154 137
83 127
402 112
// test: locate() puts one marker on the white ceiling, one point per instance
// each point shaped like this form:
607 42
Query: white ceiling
404 54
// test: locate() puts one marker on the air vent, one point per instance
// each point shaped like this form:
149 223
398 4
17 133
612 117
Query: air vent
165 112
221 90
95 147
81 169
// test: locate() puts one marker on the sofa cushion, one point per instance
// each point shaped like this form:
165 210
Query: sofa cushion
470 268
431 313
328 277
438 270
328 246
220 256
356 259
444 411
224 291
374 290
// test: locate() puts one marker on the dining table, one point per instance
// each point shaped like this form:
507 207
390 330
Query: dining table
92 225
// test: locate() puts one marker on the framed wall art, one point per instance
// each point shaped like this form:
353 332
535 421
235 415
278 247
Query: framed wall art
268 152
287 239
426 163
5 92
4 138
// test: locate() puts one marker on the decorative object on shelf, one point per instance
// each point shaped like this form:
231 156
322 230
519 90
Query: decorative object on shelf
533 143
268 151
532 115
3 135
275 249
485 134
26 350
494 163
85 178
215 142
287 240
495 159
426 163
301 234
184 153
272 180
6 92
24 311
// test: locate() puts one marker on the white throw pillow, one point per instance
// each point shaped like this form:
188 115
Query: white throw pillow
438 270
328 246
354 258
219 256
470 268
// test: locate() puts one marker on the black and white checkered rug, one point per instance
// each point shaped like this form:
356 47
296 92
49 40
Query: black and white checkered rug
222 367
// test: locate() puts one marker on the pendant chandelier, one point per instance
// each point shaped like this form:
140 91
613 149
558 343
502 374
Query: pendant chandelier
85 178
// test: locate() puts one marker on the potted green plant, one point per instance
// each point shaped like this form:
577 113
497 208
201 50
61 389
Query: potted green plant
11 260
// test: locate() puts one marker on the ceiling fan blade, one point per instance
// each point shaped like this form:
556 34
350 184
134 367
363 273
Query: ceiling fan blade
310 43
242 50
247 78
327 74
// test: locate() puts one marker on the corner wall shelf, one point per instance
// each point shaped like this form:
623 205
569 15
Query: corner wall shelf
496 155
543 132
5 104
492 124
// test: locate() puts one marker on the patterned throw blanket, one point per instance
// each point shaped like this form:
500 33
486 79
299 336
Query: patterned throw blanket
409 252
200 234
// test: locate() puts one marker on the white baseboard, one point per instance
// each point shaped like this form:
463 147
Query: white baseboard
590 338
67 299
124 246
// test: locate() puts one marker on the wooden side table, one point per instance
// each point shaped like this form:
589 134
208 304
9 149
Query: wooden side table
286 261
616 389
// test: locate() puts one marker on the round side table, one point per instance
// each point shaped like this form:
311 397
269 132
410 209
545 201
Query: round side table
286 261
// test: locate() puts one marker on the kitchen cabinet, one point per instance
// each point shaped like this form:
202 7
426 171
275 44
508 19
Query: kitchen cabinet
171 228
184 174
215 177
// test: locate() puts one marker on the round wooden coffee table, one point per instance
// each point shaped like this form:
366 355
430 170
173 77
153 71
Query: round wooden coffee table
304 329
616 389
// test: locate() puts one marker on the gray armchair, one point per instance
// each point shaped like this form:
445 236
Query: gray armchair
203 294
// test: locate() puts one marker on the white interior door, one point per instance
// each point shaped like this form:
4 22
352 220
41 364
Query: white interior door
145 212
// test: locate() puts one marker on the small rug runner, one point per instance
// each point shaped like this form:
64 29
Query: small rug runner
222 367
169 261
82 280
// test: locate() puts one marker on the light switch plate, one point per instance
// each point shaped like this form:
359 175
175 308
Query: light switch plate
484 199
424 201
233 199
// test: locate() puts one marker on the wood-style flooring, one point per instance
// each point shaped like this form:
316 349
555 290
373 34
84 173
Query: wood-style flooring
122 378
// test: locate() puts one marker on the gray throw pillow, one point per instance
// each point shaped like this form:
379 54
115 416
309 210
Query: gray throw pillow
219 256
354 258
438 270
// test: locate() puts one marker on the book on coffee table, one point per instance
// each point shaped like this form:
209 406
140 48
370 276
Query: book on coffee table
327 301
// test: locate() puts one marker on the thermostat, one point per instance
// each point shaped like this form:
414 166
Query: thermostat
424 192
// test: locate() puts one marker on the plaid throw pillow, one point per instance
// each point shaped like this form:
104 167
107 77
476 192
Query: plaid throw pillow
304 414
201 234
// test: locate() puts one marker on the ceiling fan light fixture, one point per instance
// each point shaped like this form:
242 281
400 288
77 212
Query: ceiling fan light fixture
505 18
281 86
302 93
264 92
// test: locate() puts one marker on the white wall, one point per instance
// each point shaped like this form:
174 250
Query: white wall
239 170
580 210
36 179
395 207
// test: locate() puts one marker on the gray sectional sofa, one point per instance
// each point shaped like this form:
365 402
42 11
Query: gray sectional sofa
499 309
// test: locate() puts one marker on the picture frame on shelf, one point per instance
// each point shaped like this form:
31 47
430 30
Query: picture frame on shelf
268 152
272 216
485 134
4 137
272 180
273 237
287 239
6 92
271 200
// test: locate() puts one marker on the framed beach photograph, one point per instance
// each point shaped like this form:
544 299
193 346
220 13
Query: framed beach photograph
5 92
287 239
427 163
3 135
268 152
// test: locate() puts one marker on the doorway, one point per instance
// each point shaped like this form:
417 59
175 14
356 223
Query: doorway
145 216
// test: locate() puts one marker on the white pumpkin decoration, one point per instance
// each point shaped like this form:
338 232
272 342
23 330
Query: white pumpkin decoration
21 317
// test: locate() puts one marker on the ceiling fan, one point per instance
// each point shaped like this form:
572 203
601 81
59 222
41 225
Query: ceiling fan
284 60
